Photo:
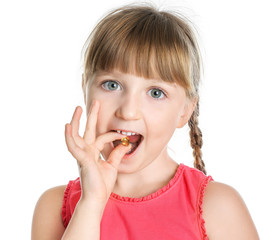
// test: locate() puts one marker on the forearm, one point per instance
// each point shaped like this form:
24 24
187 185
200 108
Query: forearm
85 222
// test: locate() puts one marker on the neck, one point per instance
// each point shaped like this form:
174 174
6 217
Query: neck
146 180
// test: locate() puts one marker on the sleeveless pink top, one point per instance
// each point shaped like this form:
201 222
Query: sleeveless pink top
173 212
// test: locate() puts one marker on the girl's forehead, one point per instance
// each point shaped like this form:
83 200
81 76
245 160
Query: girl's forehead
133 64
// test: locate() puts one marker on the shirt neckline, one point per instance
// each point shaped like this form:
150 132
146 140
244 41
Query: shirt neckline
114 196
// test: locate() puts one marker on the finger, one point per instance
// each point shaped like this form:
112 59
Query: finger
90 131
107 138
76 152
75 121
117 155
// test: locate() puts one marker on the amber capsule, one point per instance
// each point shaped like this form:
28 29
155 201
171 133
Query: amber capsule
125 141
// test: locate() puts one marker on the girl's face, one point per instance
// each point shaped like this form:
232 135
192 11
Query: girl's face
150 107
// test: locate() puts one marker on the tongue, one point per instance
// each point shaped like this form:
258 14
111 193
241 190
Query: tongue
134 138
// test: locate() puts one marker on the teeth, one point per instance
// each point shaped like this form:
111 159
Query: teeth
126 133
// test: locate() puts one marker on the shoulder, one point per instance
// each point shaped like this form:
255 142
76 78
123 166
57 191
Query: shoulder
47 221
193 175
226 215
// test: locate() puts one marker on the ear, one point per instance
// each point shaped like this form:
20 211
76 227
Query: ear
187 112
84 87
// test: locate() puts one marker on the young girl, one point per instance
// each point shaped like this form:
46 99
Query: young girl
140 82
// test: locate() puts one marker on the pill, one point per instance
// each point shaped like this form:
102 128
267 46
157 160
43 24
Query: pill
125 141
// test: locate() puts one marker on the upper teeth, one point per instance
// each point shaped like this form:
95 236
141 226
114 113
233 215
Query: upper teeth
126 133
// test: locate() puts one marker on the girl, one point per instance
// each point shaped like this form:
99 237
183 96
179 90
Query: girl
140 82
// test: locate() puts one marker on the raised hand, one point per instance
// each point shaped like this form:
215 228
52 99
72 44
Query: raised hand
97 176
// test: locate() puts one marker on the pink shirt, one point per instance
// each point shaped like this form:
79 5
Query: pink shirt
173 212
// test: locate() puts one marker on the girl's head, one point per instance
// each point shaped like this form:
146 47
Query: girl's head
151 44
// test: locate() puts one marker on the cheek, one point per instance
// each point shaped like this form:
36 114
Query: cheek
162 125
164 118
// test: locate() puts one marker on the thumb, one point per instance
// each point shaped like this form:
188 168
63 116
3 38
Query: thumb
117 155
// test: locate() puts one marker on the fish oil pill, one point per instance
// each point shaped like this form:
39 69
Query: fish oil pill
125 141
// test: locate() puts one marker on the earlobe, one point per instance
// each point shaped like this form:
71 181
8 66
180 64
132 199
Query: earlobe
183 120
187 112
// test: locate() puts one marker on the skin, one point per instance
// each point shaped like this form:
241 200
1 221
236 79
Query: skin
131 107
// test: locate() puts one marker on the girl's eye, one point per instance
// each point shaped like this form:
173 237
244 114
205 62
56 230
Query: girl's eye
111 85
157 93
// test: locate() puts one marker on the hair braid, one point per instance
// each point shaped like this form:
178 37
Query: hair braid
196 140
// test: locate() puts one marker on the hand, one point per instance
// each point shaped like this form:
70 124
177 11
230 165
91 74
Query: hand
97 176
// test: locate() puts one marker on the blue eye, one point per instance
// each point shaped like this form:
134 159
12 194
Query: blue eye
111 85
157 93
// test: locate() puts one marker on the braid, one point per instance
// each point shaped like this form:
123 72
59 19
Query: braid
196 140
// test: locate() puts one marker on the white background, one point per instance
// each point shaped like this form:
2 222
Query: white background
40 86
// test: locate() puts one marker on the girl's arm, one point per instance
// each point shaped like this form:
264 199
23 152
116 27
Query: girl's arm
85 221
47 221
226 215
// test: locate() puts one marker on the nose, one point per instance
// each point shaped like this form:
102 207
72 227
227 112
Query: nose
129 108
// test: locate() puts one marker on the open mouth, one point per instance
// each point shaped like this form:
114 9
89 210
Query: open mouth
134 139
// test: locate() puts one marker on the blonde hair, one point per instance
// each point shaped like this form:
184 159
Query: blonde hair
152 44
